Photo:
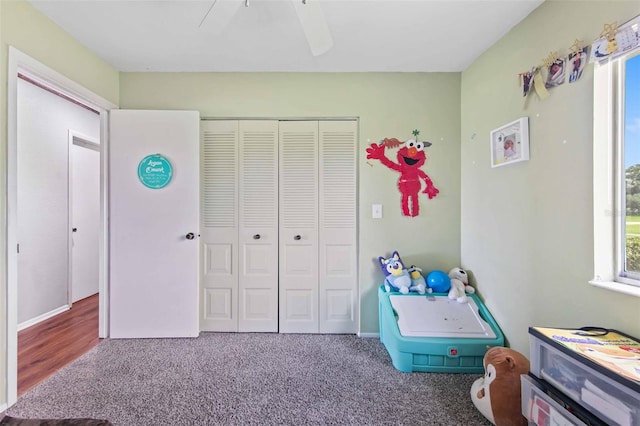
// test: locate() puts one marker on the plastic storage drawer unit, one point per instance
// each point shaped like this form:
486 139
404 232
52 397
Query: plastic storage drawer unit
543 405
594 371
542 410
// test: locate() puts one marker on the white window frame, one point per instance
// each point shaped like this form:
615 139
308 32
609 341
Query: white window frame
609 215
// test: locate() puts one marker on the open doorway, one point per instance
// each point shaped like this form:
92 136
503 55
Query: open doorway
21 64
46 206
58 203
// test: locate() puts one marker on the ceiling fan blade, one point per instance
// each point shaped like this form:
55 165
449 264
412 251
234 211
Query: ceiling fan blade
314 25
219 15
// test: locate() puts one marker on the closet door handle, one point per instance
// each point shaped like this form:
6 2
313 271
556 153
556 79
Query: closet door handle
190 236
297 237
256 237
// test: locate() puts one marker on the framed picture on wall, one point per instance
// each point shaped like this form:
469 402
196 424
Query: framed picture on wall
510 143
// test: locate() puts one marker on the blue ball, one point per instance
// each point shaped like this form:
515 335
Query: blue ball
439 281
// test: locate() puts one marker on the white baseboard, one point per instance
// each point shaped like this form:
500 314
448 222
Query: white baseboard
40 318
369 335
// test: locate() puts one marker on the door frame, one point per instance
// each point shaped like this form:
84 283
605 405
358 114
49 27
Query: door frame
19 62
86 142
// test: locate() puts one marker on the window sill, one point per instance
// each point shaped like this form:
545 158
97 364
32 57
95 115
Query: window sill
618 287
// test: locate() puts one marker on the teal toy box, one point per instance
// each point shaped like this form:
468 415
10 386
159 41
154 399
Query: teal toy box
432 333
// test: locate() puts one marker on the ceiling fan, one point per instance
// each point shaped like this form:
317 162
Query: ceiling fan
309 13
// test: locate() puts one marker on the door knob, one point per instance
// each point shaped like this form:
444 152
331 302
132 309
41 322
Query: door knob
297 237
256 237
74 230
190 236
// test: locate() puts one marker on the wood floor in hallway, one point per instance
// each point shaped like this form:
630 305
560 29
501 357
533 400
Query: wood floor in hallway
46 347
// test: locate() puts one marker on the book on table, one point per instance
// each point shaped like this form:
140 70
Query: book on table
610 349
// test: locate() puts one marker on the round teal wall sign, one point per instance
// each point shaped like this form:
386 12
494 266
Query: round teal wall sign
155 171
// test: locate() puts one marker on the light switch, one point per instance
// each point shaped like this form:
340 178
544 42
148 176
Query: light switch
376 211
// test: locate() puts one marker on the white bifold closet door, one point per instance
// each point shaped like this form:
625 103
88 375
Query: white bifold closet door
219 226
299 227
318 266
258 227
279 226
239 226
338 270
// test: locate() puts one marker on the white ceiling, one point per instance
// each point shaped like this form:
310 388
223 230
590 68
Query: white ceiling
368 35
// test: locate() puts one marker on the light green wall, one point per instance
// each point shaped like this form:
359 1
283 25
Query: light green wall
527 228
388 105
25 28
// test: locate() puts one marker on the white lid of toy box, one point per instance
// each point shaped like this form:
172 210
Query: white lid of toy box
439 316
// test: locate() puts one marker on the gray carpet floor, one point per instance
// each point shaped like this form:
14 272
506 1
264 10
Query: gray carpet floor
249 379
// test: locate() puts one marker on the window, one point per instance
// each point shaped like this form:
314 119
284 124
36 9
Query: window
616 173
629 262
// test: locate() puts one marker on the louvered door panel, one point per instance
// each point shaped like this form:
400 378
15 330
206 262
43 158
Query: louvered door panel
338 307
298 204
219 228
258 230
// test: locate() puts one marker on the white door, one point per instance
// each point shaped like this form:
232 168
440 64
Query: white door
219 292
84 218
154 232
298 226
258 226
338 274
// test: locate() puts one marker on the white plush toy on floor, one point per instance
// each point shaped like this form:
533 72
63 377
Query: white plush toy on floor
459 285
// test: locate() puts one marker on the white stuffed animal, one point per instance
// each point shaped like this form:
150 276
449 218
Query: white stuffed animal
459 285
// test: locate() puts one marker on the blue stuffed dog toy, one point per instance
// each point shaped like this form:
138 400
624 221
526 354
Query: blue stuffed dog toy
396 276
